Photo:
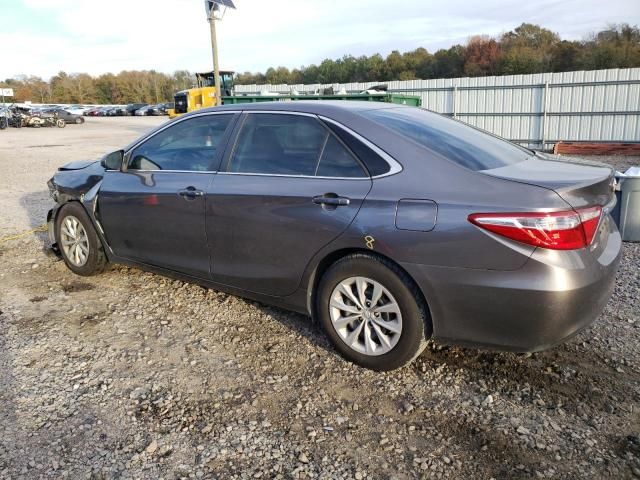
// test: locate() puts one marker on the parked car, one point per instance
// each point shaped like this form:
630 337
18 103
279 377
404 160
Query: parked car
66 116
141 112
132 107
157 110
388 224
78 110
5 115
95 111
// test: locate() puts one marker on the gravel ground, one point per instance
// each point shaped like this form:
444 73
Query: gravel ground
133 375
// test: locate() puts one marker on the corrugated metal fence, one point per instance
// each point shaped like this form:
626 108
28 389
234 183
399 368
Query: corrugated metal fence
535 110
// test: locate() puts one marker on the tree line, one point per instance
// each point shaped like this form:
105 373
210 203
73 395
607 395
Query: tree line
126 87
526 49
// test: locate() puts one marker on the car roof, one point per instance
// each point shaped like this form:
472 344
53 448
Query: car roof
316 107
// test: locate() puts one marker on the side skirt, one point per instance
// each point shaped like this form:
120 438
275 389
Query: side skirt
295 302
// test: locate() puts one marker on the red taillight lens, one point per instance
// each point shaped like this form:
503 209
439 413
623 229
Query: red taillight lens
568 230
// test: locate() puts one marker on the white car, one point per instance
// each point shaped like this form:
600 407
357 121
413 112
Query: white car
141 112
77 110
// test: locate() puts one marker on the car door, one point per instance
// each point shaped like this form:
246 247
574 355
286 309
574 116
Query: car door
288 187
153 210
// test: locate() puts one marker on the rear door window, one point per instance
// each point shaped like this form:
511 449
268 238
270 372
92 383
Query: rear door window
278 144
337 161
289 144
465 145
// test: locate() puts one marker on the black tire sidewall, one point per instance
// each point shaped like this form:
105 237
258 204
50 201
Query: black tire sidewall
96 261
414 322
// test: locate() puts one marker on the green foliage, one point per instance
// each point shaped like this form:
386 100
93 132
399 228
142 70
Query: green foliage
526 49
125 87
616 47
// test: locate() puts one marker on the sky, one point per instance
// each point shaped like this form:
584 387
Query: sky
43 37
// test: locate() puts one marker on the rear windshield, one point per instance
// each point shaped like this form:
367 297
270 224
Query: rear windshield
456 141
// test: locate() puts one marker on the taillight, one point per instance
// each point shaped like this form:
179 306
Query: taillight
568 230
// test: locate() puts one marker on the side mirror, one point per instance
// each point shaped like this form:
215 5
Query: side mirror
113 160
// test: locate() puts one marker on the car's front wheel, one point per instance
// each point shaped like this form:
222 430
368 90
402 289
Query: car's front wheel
78 241
372 312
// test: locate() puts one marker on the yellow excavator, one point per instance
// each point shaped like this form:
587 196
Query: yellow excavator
203 94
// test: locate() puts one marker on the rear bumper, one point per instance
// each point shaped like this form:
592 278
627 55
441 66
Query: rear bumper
550 299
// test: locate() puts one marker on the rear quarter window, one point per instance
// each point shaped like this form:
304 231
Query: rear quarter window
454 140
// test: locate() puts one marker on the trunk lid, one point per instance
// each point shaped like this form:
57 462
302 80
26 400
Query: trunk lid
580 184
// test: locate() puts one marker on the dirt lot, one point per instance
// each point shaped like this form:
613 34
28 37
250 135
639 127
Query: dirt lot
132 375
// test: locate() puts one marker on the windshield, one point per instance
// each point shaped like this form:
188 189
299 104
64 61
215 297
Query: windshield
465 145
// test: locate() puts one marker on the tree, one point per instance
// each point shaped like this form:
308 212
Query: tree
482 56
449 63
394 66
82 88
40 89
565 56
182 79
528 49
618 46
61 88
107 89
421 62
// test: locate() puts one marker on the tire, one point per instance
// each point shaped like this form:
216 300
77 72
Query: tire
3 123
79 120
96 260
399 292
61 123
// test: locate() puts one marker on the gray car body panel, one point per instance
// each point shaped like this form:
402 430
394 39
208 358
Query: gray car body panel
481 288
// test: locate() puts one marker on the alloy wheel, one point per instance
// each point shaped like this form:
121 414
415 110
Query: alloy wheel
74 240
365 315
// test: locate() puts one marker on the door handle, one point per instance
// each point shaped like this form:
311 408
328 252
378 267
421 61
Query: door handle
190 193
331 200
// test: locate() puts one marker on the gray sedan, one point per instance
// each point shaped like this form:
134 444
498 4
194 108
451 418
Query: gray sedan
387 224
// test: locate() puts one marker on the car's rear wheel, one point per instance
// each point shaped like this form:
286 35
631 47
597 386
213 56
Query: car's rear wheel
78 241
79 120
372 312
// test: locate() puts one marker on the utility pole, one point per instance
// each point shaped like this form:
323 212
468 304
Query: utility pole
214 50
213 7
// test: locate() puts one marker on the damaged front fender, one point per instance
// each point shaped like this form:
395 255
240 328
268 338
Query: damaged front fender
75 182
